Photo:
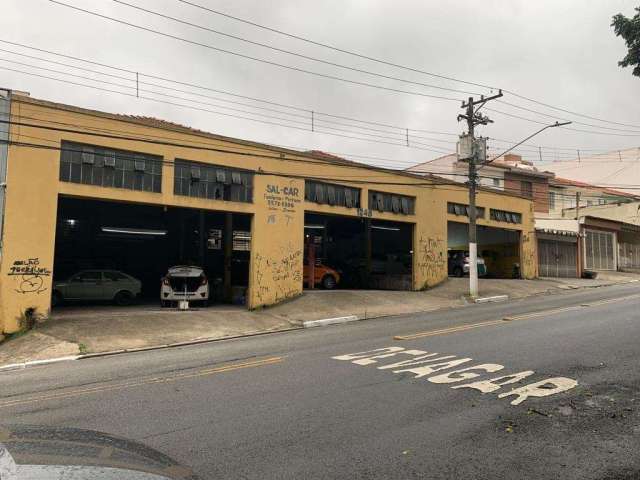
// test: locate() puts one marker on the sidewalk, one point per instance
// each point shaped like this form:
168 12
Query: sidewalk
80 330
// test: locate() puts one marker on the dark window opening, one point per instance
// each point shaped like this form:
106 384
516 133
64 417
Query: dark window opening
108 167
213 182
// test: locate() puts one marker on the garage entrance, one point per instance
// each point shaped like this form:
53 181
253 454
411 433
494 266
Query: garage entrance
557 256
358 253
143 241
498 247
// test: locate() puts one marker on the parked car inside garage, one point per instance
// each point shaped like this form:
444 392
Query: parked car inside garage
323 275
95 285
458 264
184 282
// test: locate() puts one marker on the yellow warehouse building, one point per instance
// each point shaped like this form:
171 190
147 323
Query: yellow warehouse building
82 189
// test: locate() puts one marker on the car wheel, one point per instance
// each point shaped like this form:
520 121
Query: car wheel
329 282
458 272
56 298
123 298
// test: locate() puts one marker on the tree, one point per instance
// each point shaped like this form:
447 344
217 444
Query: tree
629 29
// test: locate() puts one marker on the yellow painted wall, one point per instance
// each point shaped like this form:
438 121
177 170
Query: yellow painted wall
277 241
33 187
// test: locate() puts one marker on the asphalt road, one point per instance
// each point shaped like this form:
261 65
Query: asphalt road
281 407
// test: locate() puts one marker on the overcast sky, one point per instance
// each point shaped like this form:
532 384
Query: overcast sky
563 53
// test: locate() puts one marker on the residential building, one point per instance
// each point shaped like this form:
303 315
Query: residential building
615 169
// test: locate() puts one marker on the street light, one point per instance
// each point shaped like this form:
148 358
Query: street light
473 253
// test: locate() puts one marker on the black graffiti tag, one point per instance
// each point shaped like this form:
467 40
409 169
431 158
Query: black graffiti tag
31 273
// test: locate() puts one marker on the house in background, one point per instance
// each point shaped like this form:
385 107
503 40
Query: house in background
603 234
617 167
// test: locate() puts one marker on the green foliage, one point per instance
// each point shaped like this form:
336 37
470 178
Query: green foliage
629 30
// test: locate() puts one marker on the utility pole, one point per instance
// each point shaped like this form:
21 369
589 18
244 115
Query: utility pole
474 118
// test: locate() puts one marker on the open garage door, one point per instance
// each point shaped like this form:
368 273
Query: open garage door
357 252
143 241
499 248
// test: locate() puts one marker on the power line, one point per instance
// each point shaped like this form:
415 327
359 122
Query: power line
396 65
288 52
366 57
192 107
563 128
249 57
254 154
400 129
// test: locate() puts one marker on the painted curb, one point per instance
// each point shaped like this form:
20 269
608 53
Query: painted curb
32 363
329 321
495 298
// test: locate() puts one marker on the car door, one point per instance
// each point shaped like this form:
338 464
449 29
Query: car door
86 285
113 282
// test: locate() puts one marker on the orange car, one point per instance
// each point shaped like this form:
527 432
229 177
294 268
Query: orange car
325 276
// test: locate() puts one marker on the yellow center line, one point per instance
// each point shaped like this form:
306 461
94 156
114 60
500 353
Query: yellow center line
462 328
148 381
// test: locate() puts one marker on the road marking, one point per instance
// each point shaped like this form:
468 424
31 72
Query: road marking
442 331
424 364
149 381
514 318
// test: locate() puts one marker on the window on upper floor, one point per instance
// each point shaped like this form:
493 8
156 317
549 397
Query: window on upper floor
552 200
463 210
504 216
108 167
214 182
331 194
526 189
391 202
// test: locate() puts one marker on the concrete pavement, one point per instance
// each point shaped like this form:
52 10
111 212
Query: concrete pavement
281 406
78 330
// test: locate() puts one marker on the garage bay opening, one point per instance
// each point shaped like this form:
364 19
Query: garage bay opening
124 252
357 253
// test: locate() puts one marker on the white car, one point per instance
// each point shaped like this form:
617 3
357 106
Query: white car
184 282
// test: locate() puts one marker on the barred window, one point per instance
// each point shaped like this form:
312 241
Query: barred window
504 216
214 182
463 210
109 167
391 202
331 194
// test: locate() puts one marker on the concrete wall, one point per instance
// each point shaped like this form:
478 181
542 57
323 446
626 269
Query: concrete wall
276 256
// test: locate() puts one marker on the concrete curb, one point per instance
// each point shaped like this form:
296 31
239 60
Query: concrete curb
32 363
495 298
329 321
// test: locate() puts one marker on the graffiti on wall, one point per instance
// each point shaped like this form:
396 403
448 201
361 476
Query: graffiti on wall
278 276
431 261
528 255
30 275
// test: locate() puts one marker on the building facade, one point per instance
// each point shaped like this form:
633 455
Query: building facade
91 190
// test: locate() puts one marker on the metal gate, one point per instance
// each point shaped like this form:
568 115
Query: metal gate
557 259
600 250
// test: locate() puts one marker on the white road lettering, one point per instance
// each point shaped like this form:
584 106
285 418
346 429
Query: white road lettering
424 364
429 369
540 389
415 361
460 376
493 384
370 360
369 353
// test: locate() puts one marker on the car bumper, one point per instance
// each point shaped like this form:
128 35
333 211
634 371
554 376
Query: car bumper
169 295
